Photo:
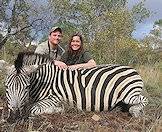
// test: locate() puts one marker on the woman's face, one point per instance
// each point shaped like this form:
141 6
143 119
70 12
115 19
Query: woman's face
75 43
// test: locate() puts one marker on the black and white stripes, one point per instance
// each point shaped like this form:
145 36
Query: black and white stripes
95 89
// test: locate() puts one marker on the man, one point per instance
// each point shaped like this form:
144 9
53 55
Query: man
52 48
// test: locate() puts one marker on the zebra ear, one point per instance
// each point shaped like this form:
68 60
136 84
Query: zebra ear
30 69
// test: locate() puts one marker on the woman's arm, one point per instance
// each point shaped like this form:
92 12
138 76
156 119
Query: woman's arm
91 63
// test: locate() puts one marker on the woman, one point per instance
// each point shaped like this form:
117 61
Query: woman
75 56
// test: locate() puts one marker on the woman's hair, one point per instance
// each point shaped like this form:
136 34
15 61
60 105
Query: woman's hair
70 50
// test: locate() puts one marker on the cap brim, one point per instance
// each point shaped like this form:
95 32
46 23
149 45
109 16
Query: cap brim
56 29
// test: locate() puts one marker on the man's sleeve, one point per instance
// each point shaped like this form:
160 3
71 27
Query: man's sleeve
40 50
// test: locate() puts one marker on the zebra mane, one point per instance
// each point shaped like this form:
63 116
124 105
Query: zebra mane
30 58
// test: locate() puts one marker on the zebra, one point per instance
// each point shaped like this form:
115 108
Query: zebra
35 84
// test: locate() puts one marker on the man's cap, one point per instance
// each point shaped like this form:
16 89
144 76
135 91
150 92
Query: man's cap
53 29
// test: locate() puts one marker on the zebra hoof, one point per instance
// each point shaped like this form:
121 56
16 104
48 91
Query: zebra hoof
135 111
54 110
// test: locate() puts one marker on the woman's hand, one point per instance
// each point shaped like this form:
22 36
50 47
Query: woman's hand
74 67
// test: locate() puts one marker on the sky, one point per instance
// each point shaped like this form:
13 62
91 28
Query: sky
143 29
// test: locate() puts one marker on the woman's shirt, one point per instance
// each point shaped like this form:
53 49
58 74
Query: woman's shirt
72 59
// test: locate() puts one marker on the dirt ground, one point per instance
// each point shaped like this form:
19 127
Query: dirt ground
78 121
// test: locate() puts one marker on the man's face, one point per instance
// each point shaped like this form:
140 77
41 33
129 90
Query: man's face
55 37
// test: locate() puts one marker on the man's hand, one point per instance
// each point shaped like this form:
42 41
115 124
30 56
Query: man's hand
60 64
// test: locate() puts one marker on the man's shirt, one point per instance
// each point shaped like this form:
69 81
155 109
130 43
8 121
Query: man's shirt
44 48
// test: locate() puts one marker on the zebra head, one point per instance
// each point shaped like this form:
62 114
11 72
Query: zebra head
17 90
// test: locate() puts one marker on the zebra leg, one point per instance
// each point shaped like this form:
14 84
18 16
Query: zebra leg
136 105
49 105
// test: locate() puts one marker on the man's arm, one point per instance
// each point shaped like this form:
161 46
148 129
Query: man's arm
60 64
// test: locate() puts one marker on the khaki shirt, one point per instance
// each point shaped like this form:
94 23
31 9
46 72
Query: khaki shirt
43 48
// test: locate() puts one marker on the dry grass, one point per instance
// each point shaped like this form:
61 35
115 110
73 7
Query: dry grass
78 121
151 75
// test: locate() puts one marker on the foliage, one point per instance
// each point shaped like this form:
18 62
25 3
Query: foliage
122 52
11 49
152 44
2 90
113 44
20 20
159 22
106 26
139 12
154 39
91 16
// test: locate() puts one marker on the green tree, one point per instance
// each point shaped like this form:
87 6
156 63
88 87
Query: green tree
154 39
20 21
105 25
140 12
91 16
